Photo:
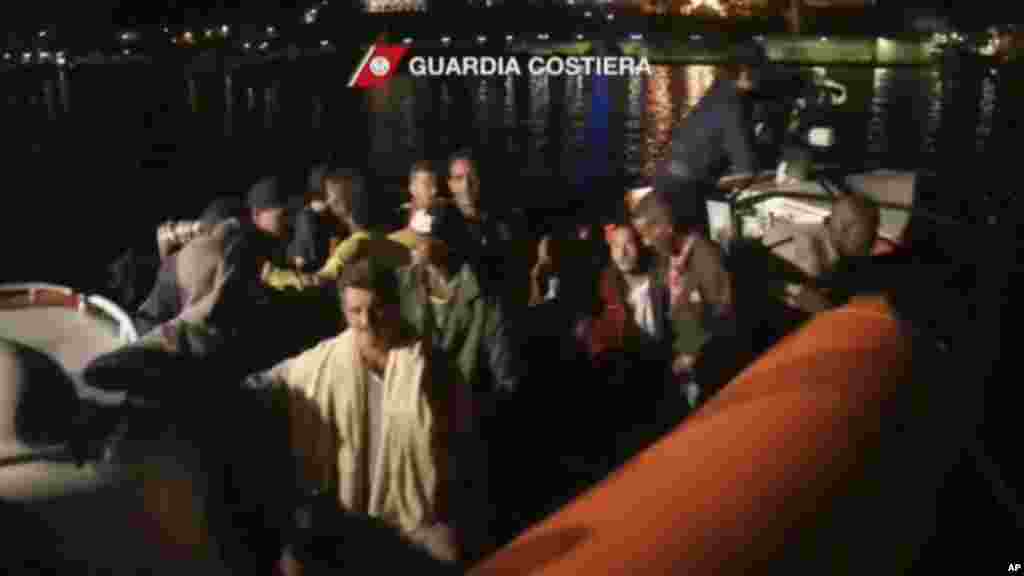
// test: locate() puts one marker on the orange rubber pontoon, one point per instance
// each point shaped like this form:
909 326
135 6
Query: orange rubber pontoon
819 456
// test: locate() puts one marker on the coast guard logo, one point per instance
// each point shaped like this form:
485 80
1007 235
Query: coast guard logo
379 64
1014 568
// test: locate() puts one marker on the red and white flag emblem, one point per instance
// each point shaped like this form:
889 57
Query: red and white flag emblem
378 65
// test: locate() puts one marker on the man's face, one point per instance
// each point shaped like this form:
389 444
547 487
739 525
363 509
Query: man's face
625 250
655 236
334 193
372 320
464 186
423 188
850 231
746 81
273 221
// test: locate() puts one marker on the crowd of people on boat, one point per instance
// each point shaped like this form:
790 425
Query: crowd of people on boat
456 379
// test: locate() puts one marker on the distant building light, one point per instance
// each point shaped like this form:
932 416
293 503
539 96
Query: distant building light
407 41
579 36
481 39
695 37
129 36
636 36
60 59
509 38
166 30
759 38
310 16
325 43
126 52
588 14
445 40
246 45
611 17
42 33
26 56
824 38
44 55
264 45
209 32
270 30
542 36
7 55
225 30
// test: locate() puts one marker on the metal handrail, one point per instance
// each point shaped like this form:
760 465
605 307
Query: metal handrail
737 205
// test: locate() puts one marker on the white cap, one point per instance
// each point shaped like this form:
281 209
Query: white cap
422 222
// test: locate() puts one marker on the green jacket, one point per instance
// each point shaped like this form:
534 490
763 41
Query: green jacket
473 330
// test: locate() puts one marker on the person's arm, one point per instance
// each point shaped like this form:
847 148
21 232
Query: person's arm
171 236
737 138
348 250
274 378
163 302
283 278
714 281
309 247
500 352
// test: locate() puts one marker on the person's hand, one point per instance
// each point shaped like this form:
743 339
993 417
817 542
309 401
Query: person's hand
545 264
165 238
583 329
807 299
299 262
288 565
683 364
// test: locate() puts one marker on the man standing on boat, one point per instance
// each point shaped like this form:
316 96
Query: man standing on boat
713 146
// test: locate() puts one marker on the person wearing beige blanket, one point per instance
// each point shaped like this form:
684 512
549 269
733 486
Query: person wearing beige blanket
369 419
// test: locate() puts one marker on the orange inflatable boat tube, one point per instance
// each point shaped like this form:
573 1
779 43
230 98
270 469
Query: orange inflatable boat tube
817 456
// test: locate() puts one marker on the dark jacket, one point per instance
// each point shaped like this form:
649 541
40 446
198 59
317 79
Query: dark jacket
474 332
497 252
717 133
311 238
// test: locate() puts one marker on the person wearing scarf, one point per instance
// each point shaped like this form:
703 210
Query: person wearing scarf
700 288
369 414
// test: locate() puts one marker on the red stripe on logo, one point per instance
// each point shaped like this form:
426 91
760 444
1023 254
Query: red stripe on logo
378 65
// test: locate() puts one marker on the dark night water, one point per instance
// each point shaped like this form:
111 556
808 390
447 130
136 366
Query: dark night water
106 152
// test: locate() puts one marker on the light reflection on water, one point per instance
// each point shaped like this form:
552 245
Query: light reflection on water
986 109
877 126
894 114
934 111
659 116
537 123
577 103
634 113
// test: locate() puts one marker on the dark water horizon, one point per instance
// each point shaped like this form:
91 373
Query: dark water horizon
108 152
